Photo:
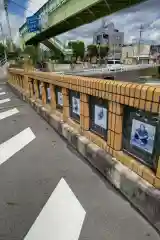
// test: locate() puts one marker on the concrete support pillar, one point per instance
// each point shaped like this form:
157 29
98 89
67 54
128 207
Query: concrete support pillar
115 125
44 95
65 94
36 89
53 96
84 112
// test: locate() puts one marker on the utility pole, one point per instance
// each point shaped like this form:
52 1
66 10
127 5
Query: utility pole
8 24
3 37
139 43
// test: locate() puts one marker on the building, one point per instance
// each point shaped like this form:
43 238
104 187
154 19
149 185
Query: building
136 53
107 34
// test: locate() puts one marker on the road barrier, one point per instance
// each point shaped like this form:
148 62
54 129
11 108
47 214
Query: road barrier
96 109
114 125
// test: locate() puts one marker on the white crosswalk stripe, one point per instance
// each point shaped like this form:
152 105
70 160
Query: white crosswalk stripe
15 144
5 100
2 93
8 113
61 218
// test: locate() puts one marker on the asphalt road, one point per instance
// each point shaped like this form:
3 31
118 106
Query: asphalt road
30 172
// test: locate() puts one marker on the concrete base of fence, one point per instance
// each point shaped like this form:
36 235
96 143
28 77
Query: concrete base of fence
140 193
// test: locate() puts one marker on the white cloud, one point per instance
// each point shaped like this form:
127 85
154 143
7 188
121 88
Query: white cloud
33 6
128 20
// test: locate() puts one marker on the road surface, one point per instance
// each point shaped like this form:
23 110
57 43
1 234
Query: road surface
104 70
41 176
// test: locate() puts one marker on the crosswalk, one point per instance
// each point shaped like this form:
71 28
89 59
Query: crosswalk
17 142
62 210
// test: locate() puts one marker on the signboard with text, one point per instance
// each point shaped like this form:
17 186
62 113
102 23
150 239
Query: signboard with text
33 24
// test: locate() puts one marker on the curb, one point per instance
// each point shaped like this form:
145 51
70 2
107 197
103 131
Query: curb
140 193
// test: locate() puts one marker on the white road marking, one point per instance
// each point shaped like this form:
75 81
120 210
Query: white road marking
2 93
15 144
61 218
8 113
5 100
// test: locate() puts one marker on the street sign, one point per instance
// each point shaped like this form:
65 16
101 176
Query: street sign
33 23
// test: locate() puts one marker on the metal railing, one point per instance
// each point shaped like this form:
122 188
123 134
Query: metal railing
55 41
3 62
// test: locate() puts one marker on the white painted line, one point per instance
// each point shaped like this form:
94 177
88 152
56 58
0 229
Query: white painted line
2 93
8 113
5 100
61 218
15 144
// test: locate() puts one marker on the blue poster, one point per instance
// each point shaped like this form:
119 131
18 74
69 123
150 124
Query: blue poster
33 23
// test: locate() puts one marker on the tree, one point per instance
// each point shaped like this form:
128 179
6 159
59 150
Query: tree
2 50
103 51
32 52
78 48
92 51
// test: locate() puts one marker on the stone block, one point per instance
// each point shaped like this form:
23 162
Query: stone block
82 145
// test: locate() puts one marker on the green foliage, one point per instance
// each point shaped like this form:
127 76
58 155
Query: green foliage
32 52
97 51
103 50
78 48
2 48
92 50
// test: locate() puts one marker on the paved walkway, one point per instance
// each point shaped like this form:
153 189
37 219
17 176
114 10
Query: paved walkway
38 170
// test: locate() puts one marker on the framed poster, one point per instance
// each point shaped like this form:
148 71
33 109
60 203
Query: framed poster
143 135
76 105
60 98
98 109
48 94
100 116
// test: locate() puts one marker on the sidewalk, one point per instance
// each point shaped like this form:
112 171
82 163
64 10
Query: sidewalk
30 174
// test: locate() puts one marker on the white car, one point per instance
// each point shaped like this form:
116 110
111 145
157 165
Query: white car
115 67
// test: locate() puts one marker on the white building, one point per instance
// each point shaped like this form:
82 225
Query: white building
107 34
136 53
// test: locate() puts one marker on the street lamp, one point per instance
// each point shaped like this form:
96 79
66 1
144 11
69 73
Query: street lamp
5 55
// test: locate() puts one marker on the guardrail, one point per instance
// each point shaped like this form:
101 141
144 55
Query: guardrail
3 61
121 118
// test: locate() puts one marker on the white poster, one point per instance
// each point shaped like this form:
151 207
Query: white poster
143 135
60 98
100 118
40 89
48 93
76 105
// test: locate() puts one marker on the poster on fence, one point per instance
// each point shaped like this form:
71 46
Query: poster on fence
60 98
143 135
48 93
76 105
100 118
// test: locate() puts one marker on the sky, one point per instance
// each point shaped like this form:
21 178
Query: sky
128 20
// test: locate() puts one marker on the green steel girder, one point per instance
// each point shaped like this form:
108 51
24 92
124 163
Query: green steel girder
98 9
